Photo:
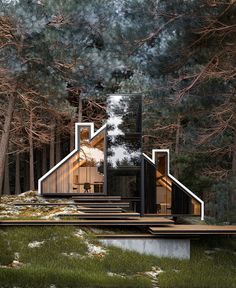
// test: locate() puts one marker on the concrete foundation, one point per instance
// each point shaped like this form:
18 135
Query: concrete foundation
171 248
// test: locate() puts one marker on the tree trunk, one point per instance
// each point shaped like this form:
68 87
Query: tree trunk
38 159
6 186
80 110
52 145
58 146
44 160
233 192
79 119
17 179
72 136
26 172
177 142
31 152
5 136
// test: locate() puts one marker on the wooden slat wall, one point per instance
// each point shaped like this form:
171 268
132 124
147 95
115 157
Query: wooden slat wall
49 184
61 180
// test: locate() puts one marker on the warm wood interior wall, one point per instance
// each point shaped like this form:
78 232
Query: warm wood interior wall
61 180
79 168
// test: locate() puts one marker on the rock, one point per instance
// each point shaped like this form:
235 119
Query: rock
111 274
153 274
95 250
35 244
72 254
30 193
209 252
79 233
16 264
17 256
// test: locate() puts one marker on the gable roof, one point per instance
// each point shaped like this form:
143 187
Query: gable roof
167 151
77 148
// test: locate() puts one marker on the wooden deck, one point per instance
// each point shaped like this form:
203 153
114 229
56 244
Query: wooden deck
142 221
194 230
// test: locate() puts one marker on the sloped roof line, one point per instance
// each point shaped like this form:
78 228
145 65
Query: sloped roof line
77 126
152 160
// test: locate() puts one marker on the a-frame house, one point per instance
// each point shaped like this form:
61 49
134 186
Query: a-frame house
110 162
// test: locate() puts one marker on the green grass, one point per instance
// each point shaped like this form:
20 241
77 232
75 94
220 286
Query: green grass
216 270
45 265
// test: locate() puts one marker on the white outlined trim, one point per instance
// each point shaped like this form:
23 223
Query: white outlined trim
77 125
92 135
167 151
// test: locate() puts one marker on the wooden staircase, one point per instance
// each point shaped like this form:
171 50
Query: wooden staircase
94 210
101 207
100 204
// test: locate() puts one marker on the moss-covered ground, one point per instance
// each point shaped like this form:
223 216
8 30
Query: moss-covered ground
71 257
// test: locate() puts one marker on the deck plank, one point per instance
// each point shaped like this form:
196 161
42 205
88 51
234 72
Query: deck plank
193 230
96 199
142 221
85 205
97 210
92 196
101 215
46 204
105 204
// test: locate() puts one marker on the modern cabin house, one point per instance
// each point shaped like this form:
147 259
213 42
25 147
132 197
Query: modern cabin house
109 162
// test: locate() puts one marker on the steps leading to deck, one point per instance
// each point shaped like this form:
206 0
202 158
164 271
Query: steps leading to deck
100 215
92 198
103 210
105 204
100 204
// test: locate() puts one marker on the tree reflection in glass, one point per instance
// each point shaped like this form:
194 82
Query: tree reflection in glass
124 130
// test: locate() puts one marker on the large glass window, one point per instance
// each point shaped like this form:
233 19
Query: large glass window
124 114
163 185
123 150
83 172
124 145
164 195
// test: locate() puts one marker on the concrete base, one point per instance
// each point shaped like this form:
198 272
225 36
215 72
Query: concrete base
171 248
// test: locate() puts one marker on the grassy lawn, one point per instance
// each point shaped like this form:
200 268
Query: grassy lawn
56 257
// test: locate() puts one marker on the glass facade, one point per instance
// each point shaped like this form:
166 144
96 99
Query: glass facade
124 145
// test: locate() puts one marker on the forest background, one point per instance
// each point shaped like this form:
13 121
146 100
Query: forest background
60 59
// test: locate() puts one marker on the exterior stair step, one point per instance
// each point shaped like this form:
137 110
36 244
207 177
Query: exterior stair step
97 198
103 215
103 210
105 204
